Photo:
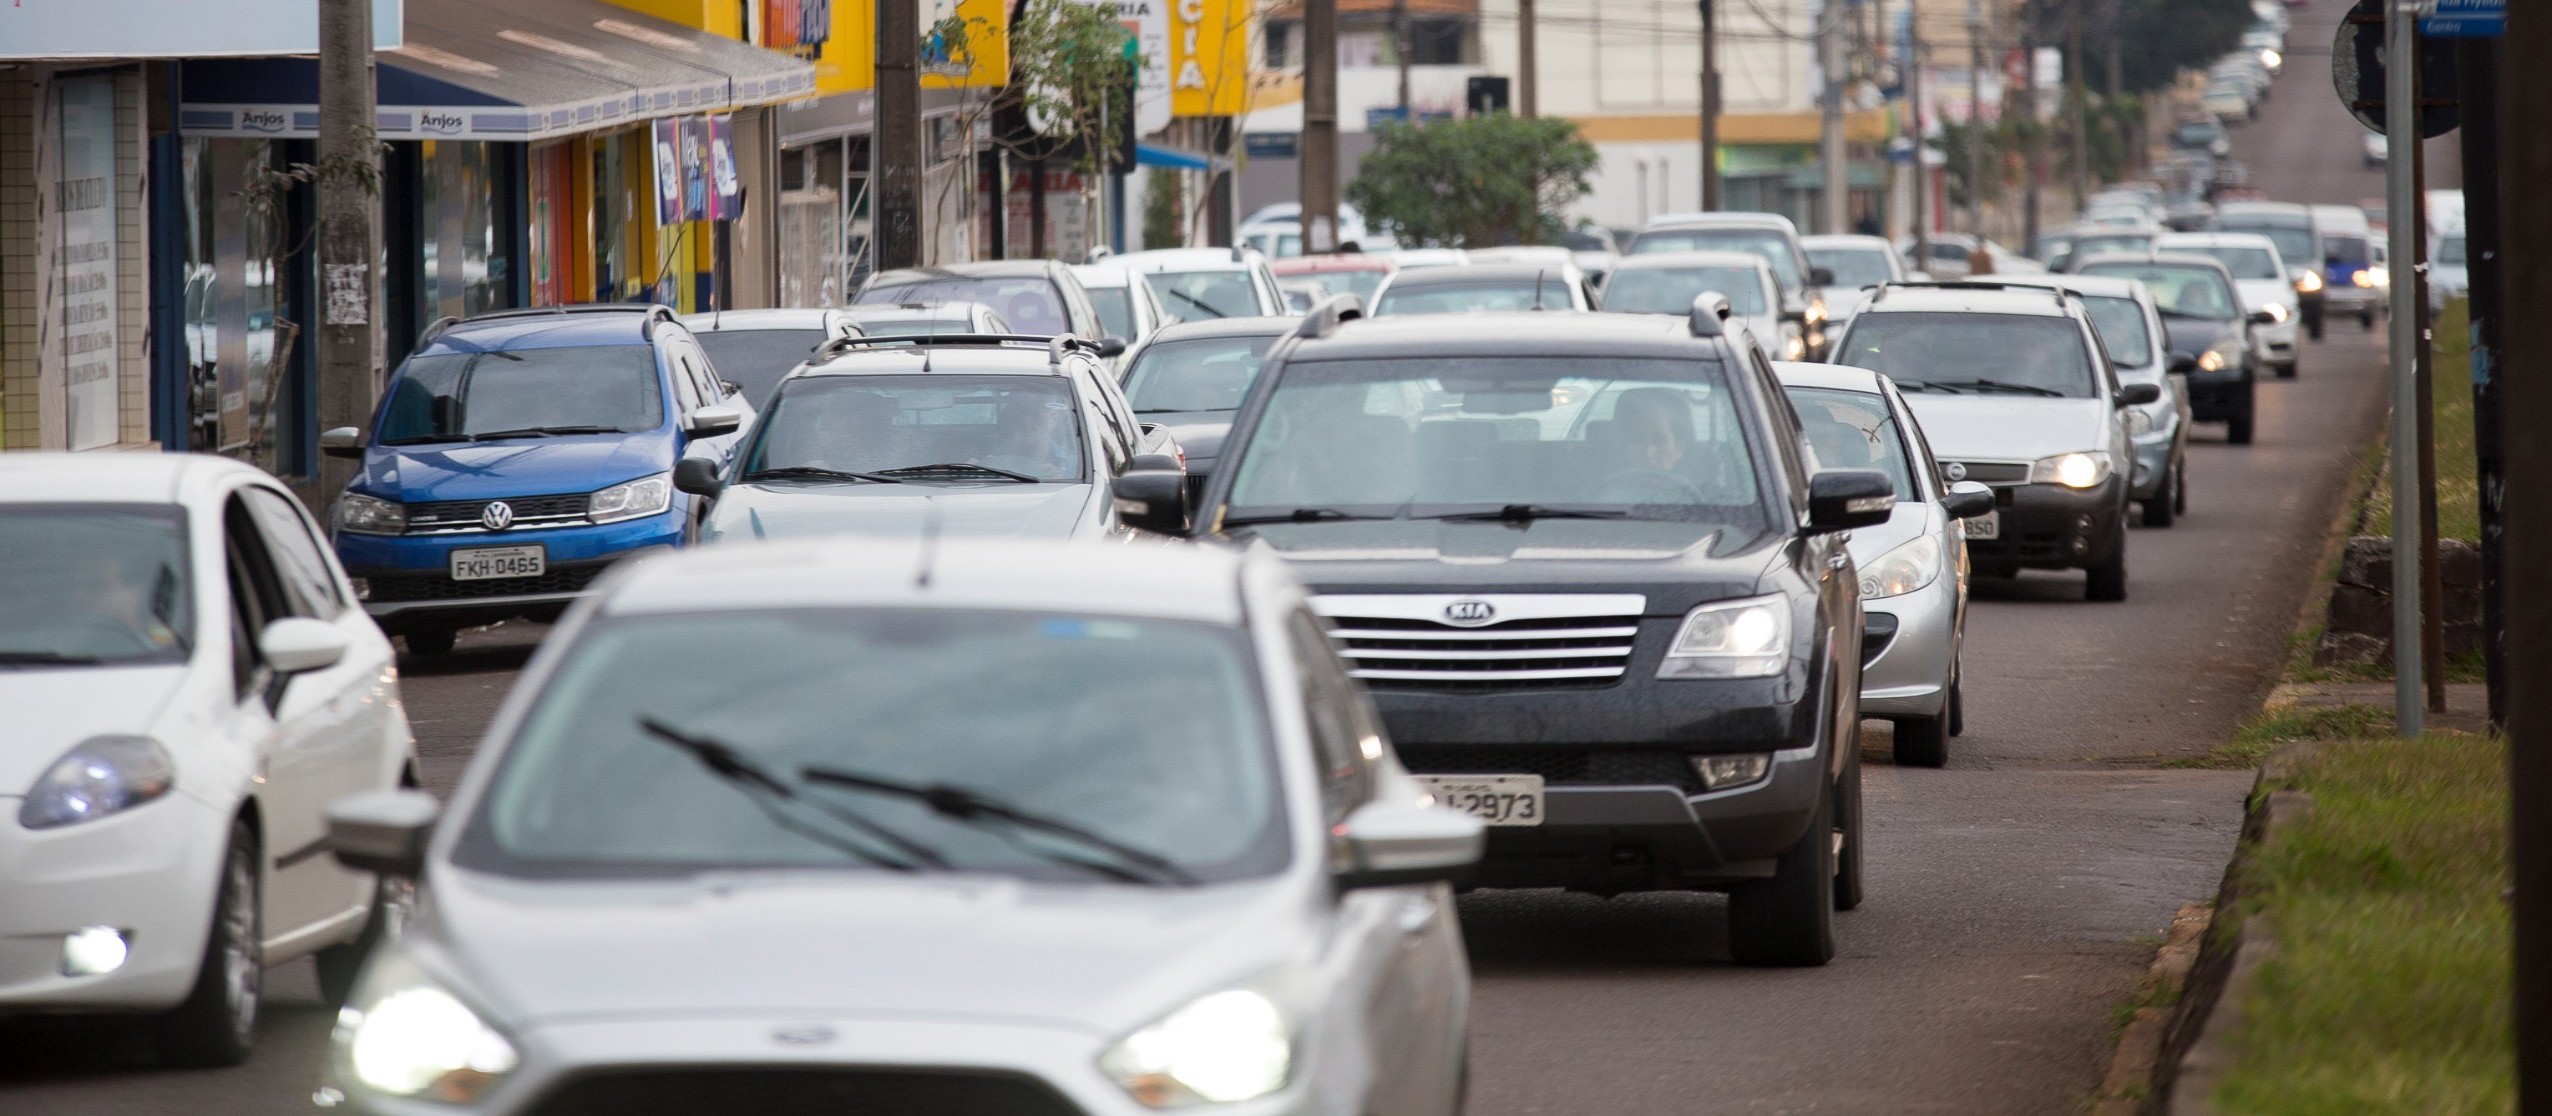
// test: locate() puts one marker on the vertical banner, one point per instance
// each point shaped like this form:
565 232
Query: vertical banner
726 191
668 145
695 168
1209 57
84 197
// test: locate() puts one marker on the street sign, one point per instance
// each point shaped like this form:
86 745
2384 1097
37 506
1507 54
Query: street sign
2357 73
2464 19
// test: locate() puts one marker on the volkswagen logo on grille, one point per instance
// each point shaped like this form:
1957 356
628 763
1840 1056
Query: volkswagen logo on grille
1956 471
803 1034
1470 614
497 515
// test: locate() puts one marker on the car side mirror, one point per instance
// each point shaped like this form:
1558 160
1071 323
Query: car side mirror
383 832
1153 500
2139 394
1154 463
712 421
343 441
2264 316
1111 347
697 476
1821 276
299 645
1392 844
1842 499
1967 500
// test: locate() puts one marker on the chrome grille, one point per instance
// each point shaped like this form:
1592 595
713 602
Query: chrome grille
1595 766
454 516
1988 472
1528 641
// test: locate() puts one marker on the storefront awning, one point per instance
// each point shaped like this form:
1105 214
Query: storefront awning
510 70
1155 155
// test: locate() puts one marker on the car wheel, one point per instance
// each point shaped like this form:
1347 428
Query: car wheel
1788 920
2366 320
2108 580
2163 507
2238 431
1847 823
217 1023
2294 367
1957 707
2180 488
340 964
1923 741
430 641
2313 328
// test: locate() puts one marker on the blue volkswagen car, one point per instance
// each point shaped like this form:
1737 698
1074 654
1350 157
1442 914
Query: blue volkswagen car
517 454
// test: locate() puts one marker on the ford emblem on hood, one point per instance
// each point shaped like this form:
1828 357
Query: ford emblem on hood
1470 613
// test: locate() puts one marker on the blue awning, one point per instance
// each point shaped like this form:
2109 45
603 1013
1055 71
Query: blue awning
505 70
1155 155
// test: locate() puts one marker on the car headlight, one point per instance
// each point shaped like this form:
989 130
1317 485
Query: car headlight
1228 1046
1793 345
359 514
1731 639
2276 312
418 1040
2377 277
2072 470
1816 311
2139 422
2308 282
1902 570
637 499
102 775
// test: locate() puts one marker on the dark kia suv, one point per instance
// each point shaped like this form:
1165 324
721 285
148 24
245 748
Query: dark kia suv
1582 564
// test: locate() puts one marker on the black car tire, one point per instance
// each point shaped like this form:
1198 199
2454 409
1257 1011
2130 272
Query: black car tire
1788 920
340 964
2180 487
2238 431
2108 580
2292 368
2366 319
2164 506
217 1023
1924 741
2313 327
1957 717
1848 822
432 639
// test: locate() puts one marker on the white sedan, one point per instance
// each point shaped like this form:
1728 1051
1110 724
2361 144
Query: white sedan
189 682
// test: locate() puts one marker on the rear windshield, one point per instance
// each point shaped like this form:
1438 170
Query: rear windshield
1028 302
2346 249
1670 290
455 397
922 428
2244 263
1767 243
1853 267
2120 324
755 359
1192 296
2180 292
1463 298
2294 241
1205 374
1991 354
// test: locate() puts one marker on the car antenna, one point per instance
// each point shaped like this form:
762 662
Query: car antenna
929 552
1537 287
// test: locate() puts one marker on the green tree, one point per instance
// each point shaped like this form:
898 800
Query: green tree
1164 214
1486 180
1071 67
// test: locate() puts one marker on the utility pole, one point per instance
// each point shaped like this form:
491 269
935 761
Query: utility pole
1320 127
2401 123
1922 171
348 341
1832 215
1528 86
2480 96
2081 122
2432 591
1975 118
1400 51
898 138
2034 138
1709 103
2524 150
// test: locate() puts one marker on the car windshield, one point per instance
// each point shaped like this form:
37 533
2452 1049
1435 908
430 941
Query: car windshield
2090 246
1361 284
2026 353
1538 293
929 327
2347 250
883 424
1767 243
1642 438
2450 251
1853 267
2244 263
2294 242
2120 324
1148 735
1116 311
2198 133
1670 290
2186 292
1206 374
1853 430
1193 296
755 359
1026 301
91 584
450 397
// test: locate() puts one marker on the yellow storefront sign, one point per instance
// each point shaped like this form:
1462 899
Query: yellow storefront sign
1209 57
980 60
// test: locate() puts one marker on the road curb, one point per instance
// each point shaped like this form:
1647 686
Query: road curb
2131 1067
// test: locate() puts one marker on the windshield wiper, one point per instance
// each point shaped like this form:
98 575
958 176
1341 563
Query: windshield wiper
957 468
2167 312
538 432
1927 385
1191 300
46 658
816 472
1124 862
777 798
1526 513
2002 385
1298 515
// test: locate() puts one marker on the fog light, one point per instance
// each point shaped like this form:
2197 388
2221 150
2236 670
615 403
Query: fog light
362 588
1723 772
93 951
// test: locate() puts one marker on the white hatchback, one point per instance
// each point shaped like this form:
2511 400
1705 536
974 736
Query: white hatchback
188 682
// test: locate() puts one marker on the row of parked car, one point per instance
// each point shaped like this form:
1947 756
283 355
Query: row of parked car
1034 716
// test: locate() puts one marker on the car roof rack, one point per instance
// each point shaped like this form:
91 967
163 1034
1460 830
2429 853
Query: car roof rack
1055 346
1962 285
1709 314
1327 315
655 311
436 328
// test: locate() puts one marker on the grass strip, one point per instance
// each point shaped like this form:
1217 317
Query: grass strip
2450 405
2388 988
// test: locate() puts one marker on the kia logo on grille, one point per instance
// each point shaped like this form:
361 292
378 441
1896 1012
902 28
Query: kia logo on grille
497 515
1956 471
1470 614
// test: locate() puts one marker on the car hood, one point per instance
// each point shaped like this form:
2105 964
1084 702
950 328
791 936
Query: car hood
2192 336
1001 509
2009 428
1677 565
2261 292
514 467
51 710
1099 959
1199 433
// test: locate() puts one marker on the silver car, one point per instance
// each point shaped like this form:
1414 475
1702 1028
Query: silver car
2123 313
1667 282
921 826
1913 568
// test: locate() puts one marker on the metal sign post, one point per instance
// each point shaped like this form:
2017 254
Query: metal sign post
2401 122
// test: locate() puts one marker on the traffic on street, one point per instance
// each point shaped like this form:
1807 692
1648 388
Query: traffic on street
1088 648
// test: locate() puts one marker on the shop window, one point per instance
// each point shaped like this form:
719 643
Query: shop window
241 331
465 264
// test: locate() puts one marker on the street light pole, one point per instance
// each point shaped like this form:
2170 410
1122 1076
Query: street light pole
1830 149
2401 123
1320 127
1528 92
1922 171
348 340
1709 104
1975 118
898 144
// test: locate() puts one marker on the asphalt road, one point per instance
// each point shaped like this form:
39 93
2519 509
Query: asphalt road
2013 896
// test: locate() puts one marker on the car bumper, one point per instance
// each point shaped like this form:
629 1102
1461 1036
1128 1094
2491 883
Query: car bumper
2051 527
149 872
2277 342
2219 396
2351 299
1906 673
405 580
